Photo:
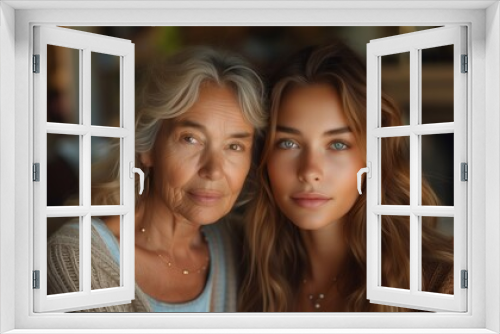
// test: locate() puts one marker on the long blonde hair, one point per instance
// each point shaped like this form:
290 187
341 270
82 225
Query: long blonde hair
275 257
168 89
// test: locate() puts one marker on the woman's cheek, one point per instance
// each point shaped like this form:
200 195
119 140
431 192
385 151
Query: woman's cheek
238 169
279 174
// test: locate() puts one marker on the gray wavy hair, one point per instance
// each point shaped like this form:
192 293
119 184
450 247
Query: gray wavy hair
171 87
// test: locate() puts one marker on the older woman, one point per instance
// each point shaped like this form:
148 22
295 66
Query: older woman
197 117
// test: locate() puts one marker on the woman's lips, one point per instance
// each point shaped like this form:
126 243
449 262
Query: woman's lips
205 197
310 200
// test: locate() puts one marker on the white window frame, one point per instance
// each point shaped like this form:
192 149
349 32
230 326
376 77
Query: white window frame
16 216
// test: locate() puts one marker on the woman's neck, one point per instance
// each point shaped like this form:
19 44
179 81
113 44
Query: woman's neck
326 251
159 230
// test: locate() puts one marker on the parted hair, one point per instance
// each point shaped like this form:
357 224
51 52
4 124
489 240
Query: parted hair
169 88
275 257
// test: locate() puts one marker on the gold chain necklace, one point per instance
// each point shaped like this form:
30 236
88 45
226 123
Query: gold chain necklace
184 271
171 265
319 298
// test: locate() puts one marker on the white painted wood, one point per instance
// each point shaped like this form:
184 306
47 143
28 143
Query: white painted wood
415 271
490 160
77 211
7 167
242 4
413 42
471 322
80 130
418 129
420 210
86 43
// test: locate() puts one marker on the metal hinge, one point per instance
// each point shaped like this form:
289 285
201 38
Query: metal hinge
465 64
36 172
36 63
465 279
464 171
36 279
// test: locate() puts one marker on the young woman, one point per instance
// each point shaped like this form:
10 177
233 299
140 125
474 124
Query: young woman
306 234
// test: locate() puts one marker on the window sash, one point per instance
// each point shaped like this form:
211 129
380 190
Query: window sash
413 43
85 43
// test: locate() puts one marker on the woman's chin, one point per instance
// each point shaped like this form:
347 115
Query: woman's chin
309 222
205 217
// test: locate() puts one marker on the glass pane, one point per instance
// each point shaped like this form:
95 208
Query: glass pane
106 252
105 172
63 255
63 170
395 70
437 169
395 169
396 251
63 85
437 84
437 254
105 89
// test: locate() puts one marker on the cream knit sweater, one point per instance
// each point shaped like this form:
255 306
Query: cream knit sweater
63 272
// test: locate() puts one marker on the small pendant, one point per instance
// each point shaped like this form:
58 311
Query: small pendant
143 230
321 296
185 272
317 306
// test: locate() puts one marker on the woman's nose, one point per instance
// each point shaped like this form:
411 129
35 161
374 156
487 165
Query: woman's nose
211 168
310 166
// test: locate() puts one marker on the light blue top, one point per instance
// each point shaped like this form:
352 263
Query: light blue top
203 302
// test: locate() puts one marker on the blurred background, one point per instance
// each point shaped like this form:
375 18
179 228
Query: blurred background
265 47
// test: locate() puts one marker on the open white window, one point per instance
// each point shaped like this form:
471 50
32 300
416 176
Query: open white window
71 127
421 130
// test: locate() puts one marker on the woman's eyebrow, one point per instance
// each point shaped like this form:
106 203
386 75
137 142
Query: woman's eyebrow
286 129
186 123
192 124
337 131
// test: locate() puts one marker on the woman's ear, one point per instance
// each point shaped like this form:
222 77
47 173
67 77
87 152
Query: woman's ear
146 159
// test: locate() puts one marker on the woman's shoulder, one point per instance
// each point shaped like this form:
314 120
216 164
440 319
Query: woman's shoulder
439 277
228 228
69 233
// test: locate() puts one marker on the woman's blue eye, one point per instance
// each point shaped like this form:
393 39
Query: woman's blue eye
189 139
338 146
236 147
286 144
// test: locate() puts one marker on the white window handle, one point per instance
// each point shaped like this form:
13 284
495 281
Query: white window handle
368 171
133 170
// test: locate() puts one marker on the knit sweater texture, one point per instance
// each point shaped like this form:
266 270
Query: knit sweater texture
63 255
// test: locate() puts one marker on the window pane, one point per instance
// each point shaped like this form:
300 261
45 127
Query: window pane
105 89
105 171
63 85
396 251
106 254
437 254
63 255
395 169
437 84
395 70
63 170
437 169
